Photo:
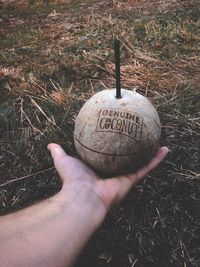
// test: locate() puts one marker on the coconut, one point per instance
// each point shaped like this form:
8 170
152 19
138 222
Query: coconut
117 135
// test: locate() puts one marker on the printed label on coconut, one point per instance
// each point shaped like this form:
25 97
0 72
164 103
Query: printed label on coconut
120 121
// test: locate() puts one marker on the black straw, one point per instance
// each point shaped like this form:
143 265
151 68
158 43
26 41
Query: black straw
117 67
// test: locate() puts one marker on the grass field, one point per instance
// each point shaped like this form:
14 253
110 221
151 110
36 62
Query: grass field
56 55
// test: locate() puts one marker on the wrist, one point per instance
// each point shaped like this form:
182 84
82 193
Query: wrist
82 205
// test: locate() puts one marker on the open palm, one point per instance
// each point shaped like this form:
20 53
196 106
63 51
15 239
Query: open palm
78 178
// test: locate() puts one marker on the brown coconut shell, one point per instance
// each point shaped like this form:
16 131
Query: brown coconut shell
117 136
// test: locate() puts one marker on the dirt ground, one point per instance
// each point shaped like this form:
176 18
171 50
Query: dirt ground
54 55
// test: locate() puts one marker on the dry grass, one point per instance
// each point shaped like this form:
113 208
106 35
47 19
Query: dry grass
145 7
148 73
53 58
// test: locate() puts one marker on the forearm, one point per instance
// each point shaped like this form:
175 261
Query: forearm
51 233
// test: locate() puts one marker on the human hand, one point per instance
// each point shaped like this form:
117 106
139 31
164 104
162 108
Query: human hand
82 186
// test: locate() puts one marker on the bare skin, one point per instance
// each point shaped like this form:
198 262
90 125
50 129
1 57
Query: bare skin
54 232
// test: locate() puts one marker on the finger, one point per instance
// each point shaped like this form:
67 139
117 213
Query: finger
160 155
60 159
69 168
122 184
56 151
